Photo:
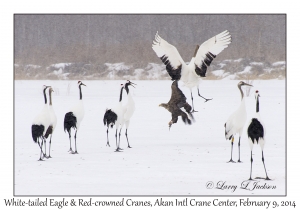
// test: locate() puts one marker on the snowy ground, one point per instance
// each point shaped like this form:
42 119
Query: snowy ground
183 161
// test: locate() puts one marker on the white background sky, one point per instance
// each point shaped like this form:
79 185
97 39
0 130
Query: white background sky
8 8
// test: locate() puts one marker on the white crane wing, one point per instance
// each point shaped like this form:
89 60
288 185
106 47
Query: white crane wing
169 56
209 50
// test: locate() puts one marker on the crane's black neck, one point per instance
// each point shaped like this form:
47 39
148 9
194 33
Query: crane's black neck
45 97
50 97
121 94
257 104
242 94
126 88
80 94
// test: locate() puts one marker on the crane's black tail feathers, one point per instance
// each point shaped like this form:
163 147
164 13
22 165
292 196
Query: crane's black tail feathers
37 131
255 130
69 121
109 118
49 131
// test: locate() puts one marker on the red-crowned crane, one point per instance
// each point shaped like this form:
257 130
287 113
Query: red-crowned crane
129 108
113 117
191 73
74 117
40 124
256 134
53 121
236 121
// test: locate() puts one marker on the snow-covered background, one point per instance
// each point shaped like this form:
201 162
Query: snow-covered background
241 68
161 162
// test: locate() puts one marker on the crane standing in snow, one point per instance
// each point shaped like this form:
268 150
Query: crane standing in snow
236 121
176 102
114 117
190 73
40 124
53 121
256 134
74 118
129 108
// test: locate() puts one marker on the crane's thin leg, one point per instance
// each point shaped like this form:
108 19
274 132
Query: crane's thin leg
70 150
41 147
251 160
75 144
119 138
263 160
49 156
206 99
118 148
45 148
193 103
44 153
127 139
231 161
239 161
116 138
107 144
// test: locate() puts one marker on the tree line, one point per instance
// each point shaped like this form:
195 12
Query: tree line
42 39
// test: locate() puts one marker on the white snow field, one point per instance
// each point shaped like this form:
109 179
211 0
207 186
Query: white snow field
185 160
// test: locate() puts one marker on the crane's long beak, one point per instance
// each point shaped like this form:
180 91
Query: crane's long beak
248 84
131 83
83 84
